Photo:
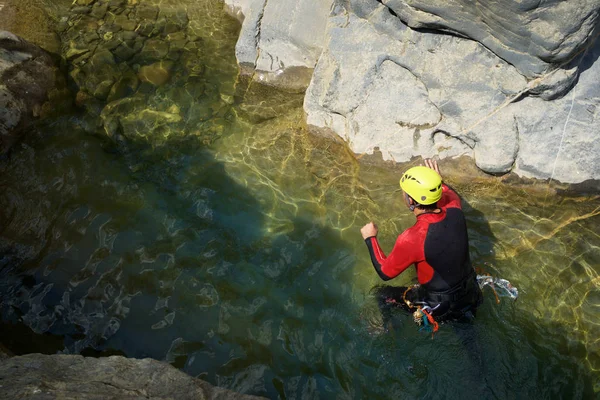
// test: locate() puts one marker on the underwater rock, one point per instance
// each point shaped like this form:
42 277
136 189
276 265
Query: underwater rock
175 20
192 64
153 50
73 376
146 12
124 87
98 75
99 10
151 125
131 118
125 23
124 52
31 86
130 48
157 74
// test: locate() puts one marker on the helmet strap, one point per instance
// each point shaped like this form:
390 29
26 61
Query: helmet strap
410 201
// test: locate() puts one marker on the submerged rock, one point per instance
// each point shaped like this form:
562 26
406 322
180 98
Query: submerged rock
153 50
67 376
119 40
133 119
157 74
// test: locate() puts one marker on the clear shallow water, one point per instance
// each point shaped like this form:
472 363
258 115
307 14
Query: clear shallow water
230 248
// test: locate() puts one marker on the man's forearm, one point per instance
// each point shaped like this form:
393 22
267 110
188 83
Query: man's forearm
377 257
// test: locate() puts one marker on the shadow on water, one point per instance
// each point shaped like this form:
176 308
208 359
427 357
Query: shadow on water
161 254
128 223
279 317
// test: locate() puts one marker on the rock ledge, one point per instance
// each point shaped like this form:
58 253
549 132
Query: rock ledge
37 376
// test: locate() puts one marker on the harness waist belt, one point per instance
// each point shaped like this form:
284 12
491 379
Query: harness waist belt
455 293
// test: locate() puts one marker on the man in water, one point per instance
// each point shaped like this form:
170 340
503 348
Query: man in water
437 244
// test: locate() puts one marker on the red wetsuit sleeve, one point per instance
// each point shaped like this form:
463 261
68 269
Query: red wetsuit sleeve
404 254
449 198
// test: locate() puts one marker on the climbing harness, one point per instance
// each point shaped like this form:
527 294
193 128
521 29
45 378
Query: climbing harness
423 314
406 301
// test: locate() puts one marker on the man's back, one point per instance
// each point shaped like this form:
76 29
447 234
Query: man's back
446 249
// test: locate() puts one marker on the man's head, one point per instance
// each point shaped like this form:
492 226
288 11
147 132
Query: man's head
423 185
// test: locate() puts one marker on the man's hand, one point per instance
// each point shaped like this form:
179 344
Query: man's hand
429 163
369 230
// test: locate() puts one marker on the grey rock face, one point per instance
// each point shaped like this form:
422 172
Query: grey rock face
534 36
561 139
28 78
37 376
280 41
380 84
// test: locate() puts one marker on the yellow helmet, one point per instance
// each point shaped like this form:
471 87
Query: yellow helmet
423 184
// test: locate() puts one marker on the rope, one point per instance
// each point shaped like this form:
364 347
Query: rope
408 302
428 322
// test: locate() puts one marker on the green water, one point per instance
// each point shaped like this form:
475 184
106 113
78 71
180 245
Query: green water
226 242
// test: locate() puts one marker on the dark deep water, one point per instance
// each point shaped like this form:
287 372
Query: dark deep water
228 245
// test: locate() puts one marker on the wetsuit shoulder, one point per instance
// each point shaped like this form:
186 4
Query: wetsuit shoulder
450 198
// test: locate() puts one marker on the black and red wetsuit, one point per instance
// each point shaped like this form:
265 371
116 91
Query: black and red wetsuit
438 245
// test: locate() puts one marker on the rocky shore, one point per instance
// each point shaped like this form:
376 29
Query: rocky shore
38 376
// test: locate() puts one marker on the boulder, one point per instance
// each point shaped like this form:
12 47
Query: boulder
533 36
381 85
30 87
280 41
560 139
37 376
